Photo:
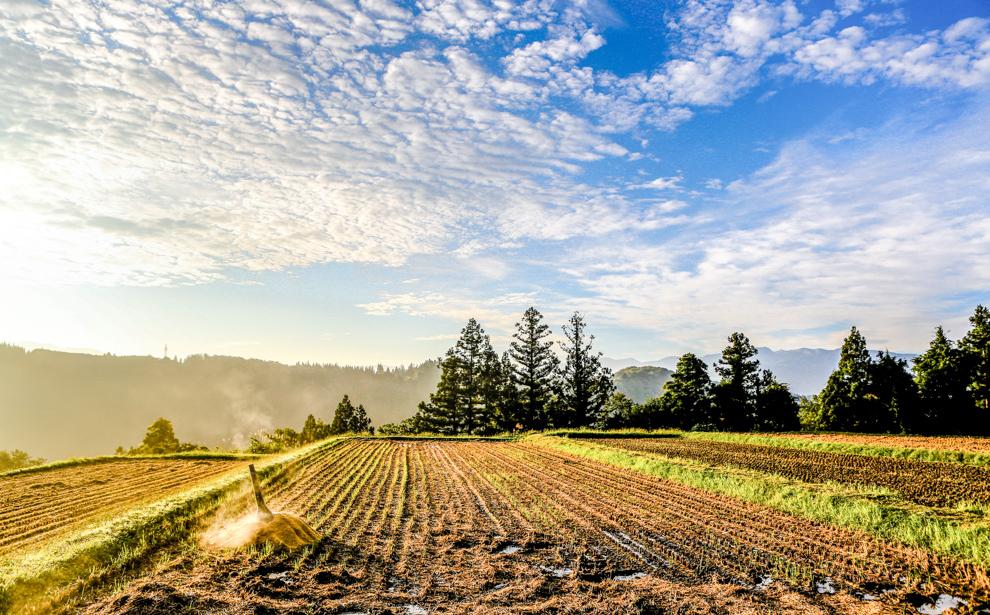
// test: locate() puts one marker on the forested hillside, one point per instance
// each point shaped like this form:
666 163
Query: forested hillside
58 404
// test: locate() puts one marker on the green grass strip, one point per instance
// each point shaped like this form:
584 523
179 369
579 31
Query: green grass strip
870 450
42 579
883 517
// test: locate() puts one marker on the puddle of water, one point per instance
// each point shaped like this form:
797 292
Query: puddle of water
941 605
509 550
415 609
557 572
764 583
280 576
825 587
869 597
629 577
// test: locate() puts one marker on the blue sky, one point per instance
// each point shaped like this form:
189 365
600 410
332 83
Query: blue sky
350 181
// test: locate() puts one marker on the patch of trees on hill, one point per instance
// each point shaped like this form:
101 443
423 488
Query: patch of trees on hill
60 404
17 459
346 419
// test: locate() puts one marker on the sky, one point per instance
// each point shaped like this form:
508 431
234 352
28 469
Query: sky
350 181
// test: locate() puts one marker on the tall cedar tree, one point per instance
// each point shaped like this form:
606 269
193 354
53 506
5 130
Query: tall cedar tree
534 368
585 384
473 395
735 395
844 404
686 399
942 387
975 348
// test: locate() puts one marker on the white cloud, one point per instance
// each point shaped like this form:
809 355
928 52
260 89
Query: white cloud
884 233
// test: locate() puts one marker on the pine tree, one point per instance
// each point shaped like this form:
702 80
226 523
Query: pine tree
534 368
686 398
440 415
945 402
360 422
474 353
343 418
585 384
472 396
735 395
975 349
843 403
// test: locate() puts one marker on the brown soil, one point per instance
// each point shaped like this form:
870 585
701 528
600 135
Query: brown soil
923 482
37 506
504 527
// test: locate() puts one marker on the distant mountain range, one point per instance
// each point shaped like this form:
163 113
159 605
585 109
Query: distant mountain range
804 369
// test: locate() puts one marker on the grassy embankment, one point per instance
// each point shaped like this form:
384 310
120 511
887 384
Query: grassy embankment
69 568
781 440
963 532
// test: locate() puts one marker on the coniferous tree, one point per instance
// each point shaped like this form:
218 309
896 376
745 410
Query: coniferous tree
440 414
686 399
894 396
585 384
473 395
534 368
945 401
844 403
776 408
360 421
735 394
343 417
975 349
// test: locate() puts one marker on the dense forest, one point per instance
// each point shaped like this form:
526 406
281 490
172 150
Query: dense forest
529 387
58 404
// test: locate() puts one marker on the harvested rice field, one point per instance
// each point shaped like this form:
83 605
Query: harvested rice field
38 506
922 482
424 526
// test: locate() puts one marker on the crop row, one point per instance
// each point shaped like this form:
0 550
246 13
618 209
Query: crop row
967 444
402 506
36 506
922 482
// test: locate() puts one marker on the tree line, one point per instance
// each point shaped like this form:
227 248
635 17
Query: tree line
346 419
529 388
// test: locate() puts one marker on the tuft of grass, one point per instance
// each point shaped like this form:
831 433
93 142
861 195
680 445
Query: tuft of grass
50 577
874 511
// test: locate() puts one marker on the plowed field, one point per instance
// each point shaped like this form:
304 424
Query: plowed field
483 526
37 506
923 482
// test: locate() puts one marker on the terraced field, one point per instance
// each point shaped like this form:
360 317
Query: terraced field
922 482
417 526
38 506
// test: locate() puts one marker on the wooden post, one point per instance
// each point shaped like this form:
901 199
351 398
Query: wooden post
260 499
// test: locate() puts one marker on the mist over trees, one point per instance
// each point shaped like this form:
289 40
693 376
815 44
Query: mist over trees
59 404
346 420
17 459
